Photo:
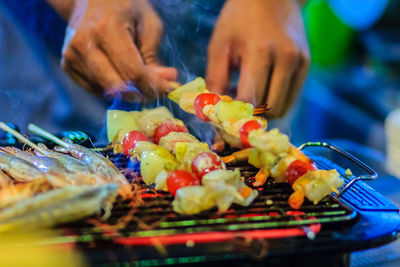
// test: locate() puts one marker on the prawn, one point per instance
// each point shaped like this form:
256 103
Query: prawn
101 166
53 169
13 193
19 169
58 206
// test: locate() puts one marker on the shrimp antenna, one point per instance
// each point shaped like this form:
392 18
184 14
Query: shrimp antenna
39 131
20 137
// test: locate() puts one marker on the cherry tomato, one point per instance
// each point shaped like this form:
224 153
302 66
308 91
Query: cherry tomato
180 178
297 169
246 129
203 100
205 162
131 139
166 127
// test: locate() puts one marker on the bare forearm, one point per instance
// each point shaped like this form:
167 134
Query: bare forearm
62 7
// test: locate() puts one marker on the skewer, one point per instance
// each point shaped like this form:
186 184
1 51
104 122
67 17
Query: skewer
174 85
21 138
39 131
260 110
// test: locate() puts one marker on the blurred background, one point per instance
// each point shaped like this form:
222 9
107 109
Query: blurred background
352 86
354 82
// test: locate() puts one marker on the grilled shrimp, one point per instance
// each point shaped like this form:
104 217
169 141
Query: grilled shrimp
44 164
101 166
54 170
72 164
10 193
4 179
19 169
58 206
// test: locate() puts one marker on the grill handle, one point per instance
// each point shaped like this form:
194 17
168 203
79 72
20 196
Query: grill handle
371 174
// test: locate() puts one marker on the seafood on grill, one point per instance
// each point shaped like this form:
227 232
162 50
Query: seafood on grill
189 170
175 150
77 171
19 169
4 179
87 168
11 193
315 185
228 115
270 151
53 169
100 166
57 206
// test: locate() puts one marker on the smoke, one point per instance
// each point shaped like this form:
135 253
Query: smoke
187 29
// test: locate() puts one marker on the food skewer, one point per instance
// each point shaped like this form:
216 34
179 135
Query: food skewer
20 137
178 162
39 131
270 151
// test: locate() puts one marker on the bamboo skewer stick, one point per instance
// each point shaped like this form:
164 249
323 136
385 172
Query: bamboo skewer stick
175 85
39 131
21 138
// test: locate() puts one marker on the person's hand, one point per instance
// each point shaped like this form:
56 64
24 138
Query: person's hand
266 39
110 43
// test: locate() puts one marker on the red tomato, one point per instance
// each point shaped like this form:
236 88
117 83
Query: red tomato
205 162
131 139
246 129
297 169
203 100
166 127
180 178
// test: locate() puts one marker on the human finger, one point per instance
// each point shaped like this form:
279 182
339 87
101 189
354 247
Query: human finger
81 79
254 74
298 79
124 56
217 73
149 35
101 70
284 65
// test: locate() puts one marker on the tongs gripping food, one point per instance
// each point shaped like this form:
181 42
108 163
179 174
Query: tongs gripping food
371 174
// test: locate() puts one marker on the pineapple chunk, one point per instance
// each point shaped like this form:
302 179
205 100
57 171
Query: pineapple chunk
170 140
197 85
149 119
186 152
154 162
119 123
233 110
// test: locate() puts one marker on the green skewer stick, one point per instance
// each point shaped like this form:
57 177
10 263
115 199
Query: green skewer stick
39 131
20 137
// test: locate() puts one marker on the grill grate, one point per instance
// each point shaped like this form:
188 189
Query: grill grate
270 211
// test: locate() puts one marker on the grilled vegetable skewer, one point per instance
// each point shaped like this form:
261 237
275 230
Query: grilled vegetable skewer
270 151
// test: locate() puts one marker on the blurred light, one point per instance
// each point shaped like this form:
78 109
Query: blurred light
359 14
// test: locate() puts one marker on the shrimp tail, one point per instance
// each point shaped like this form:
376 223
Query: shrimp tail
296 199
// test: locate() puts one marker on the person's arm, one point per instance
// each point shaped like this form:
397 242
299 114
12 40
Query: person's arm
111 43
267 41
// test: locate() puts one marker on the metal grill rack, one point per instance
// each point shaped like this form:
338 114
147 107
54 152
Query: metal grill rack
270 214
158 236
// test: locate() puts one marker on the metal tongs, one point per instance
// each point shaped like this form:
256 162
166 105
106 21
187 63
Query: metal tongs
371 174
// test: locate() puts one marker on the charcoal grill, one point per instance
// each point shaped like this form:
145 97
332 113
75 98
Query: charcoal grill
266 232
